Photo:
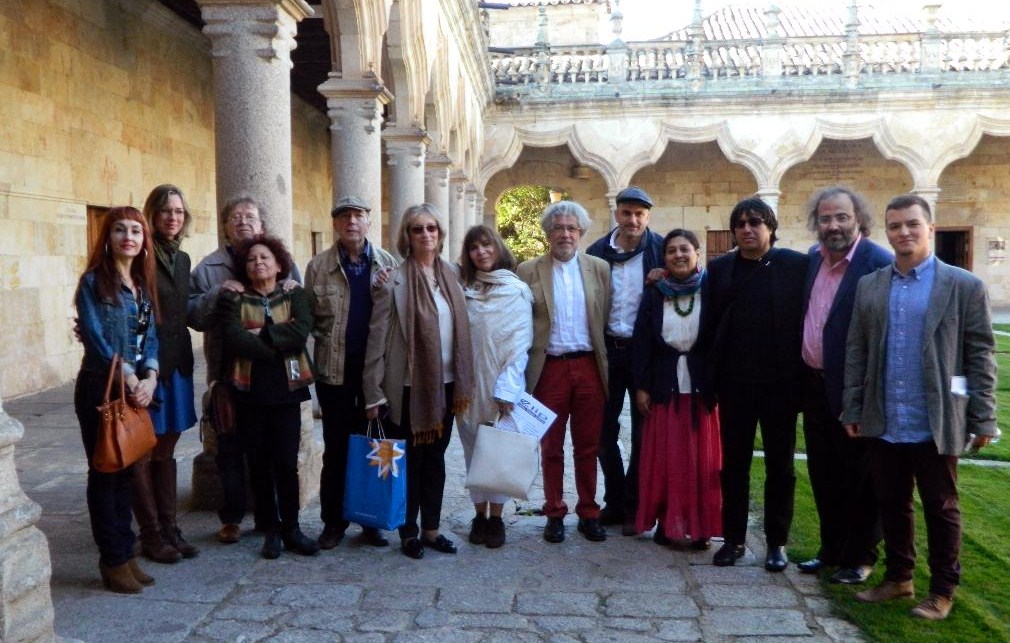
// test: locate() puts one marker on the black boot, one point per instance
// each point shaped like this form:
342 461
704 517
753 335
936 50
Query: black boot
296 541
163 477
146 512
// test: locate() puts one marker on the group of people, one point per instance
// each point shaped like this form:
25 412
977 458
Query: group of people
889 358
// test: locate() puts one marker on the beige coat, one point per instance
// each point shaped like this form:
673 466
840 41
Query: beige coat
538 274
387 360
330 297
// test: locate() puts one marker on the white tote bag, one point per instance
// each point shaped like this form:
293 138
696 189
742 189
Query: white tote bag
503 462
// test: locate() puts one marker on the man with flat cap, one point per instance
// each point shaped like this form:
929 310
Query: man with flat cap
338 282
631 250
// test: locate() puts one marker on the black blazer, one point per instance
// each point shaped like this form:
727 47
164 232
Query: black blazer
788 271
654 362
867 258
175 346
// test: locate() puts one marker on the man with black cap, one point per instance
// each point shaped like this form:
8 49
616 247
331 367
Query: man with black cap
338 282
632 251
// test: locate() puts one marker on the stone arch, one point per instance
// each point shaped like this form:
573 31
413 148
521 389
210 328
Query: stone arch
694 185
405 51
857 163
508 142
552 165
356 29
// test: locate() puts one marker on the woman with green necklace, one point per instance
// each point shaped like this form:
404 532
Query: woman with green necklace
678 473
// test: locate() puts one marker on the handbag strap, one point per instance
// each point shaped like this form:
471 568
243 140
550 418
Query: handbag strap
112 375
378 429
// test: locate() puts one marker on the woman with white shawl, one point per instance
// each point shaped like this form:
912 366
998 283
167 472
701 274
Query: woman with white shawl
500 307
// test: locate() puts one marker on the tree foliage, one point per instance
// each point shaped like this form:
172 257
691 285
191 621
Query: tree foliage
519 211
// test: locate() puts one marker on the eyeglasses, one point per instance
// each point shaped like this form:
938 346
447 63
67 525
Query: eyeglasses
570 229
177 211
754 222
841 217
431 228
239 217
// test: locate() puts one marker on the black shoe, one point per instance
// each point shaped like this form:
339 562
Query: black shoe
702 544
331 537
660 538
592 530
811 566
299 543
374 537
776 560
554 530
495 532
611 516
441 543
271 546
851 575
478 529
727 555
413 548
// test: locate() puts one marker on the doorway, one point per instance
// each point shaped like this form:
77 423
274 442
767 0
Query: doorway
953 246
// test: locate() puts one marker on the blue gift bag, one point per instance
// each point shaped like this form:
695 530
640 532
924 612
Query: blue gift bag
375 493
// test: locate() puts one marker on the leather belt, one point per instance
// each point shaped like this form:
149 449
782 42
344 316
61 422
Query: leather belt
617 342
572 355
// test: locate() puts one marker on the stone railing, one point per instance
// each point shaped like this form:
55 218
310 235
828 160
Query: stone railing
699 63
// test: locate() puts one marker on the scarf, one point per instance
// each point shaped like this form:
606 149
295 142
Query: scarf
614 255
165 251
500 306
671 287
427 391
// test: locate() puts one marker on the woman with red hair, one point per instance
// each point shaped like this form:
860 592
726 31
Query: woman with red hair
117 309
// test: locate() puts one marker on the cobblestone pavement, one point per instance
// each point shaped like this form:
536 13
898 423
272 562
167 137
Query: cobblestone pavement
625 589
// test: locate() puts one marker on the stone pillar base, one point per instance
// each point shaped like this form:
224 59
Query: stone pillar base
26 606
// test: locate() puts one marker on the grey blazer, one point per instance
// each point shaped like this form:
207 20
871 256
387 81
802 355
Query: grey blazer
959 342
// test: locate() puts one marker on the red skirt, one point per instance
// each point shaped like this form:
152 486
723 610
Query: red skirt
678 471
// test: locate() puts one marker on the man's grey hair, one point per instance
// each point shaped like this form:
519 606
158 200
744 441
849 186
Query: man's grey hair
561 209
861 207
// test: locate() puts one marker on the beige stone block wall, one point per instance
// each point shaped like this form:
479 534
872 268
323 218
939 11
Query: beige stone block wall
100 102
566 25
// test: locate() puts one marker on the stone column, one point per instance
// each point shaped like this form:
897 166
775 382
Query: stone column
931 193
472 214
26 607
771 197
251 49
457 213
436 190
405 149
355 110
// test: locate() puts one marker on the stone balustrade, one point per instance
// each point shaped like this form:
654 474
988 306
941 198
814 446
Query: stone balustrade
698 63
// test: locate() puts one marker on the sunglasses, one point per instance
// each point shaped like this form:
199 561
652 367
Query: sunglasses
431 228
754 222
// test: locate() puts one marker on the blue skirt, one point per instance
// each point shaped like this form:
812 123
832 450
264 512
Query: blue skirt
177 411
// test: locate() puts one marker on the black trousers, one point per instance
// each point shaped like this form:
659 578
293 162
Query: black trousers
742 406
425 469
620 488
108 494
897 470
272 435
839 468
231 472
343 410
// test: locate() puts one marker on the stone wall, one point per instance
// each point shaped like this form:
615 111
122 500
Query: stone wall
573 24
100 102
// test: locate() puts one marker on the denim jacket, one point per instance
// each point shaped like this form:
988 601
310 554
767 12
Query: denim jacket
109 327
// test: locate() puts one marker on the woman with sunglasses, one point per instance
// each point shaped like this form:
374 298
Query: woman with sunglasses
419 366
117 310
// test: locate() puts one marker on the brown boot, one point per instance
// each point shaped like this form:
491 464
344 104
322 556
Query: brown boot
887 591
146 513
142 577
163 477
119 579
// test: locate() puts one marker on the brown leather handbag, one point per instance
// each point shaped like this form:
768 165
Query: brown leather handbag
220 408
125 432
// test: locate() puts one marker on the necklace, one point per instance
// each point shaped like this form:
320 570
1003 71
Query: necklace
683 313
